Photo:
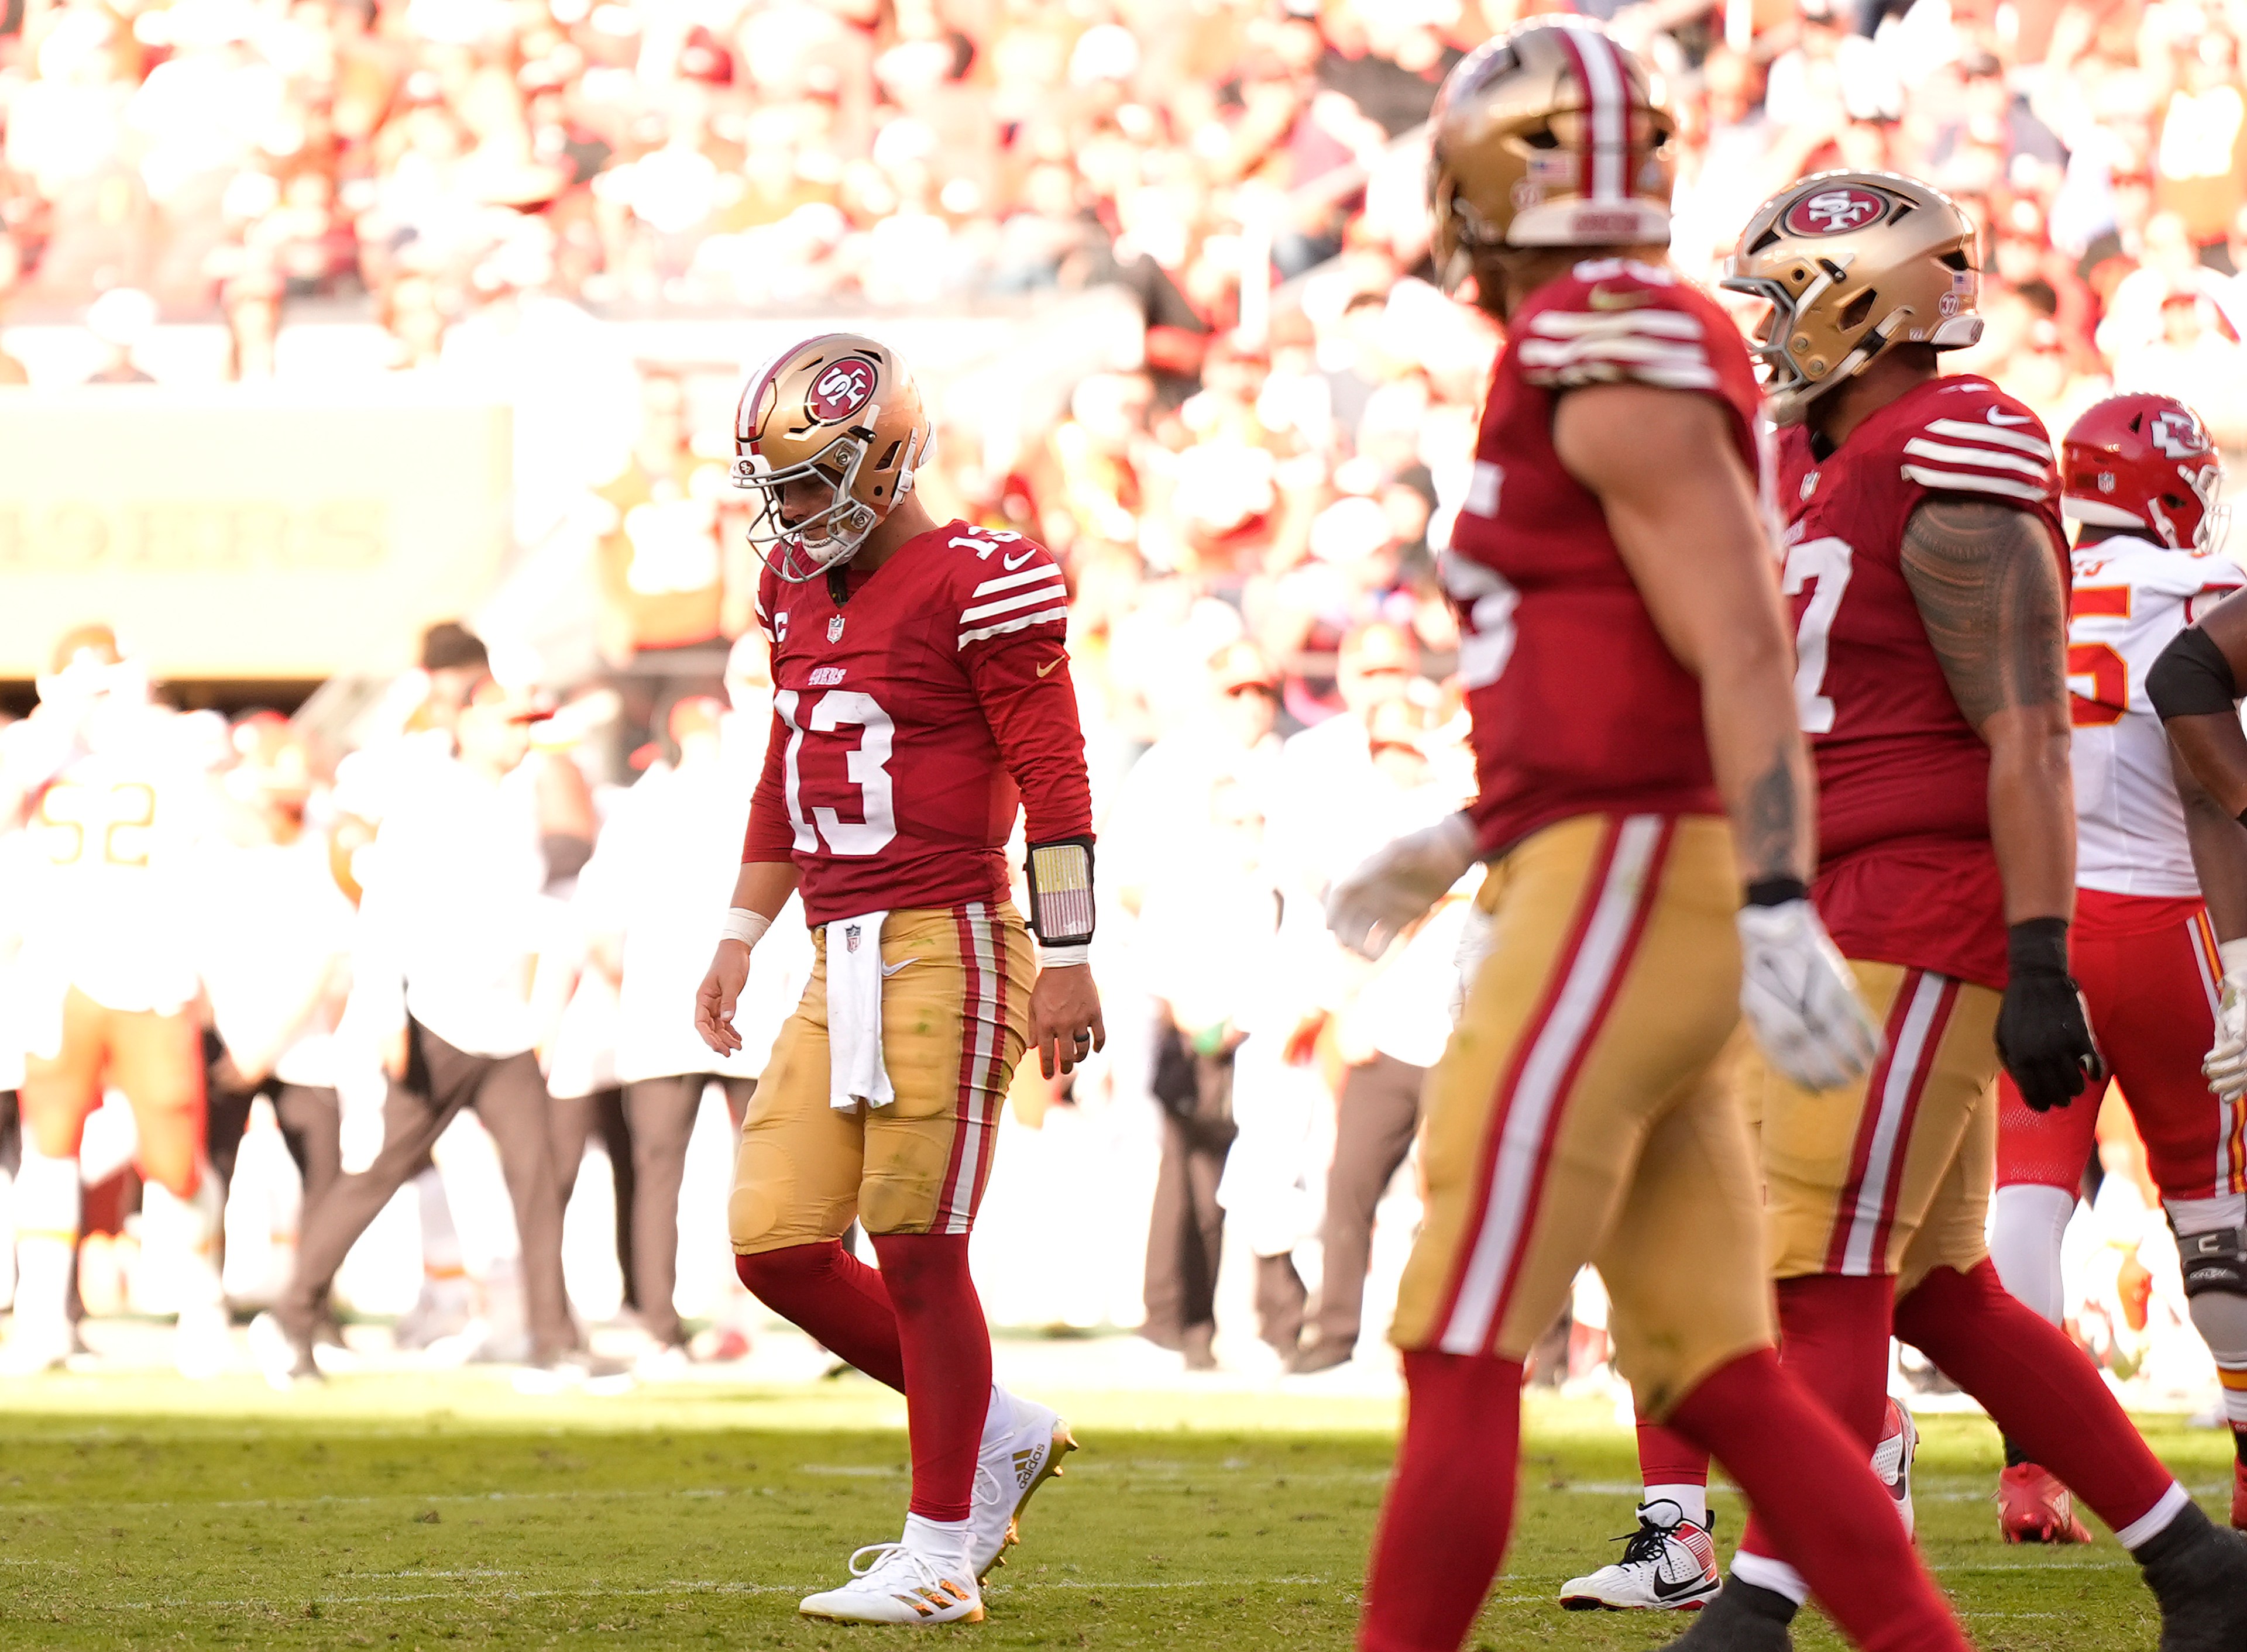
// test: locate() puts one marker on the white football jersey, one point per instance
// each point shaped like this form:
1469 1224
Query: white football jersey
2131 596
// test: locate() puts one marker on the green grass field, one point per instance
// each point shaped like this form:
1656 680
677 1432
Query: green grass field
446 1510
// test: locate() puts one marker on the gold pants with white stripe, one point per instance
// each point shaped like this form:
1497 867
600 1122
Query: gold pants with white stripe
955 1014
1892 1174
1585 1112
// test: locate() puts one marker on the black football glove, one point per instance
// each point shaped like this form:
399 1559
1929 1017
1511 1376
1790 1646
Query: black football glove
2044 1032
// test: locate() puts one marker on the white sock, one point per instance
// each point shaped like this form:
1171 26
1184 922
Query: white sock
1767 1574
192 1228
46 1238
943 1543
1692 1501
2027 1222
441 1239
2155 1520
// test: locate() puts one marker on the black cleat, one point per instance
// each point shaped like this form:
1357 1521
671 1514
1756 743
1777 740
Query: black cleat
2198 1573
1742 1618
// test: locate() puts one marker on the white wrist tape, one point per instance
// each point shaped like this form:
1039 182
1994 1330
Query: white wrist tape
1064 957
2233 954
743 925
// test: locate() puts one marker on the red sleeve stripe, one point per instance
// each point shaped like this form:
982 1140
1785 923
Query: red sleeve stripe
1951 453
1991 433
1023 624
1052 590
1970 482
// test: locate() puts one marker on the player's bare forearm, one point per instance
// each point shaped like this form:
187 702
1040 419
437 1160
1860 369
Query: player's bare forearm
763 886
2218 842
1681 506
1987 586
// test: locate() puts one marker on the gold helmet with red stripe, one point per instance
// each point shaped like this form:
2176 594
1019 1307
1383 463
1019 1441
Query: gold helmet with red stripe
1548 135
1851 263
838 418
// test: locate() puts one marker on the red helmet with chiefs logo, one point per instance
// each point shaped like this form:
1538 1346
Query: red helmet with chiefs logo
2144 461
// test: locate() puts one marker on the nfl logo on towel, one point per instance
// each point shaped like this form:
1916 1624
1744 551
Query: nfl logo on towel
835 629
850 931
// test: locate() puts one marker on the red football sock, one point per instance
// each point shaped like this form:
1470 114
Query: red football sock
2036 1386
1444 1524
1833 1340
830 1293
947 1365
1809 1478
1665 1458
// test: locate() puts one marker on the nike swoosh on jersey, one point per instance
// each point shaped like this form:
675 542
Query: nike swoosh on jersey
1013 563
1608 299
888 970
1997 418
1049 664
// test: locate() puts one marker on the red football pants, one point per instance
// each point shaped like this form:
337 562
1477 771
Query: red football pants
2148 969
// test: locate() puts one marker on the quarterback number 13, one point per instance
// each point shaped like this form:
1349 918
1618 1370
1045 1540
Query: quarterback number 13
1823 566
866 764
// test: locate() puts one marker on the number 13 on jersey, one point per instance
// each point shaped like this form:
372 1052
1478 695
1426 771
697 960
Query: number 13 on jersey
865 764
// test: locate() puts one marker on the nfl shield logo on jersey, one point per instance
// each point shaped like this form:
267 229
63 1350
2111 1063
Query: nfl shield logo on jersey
835 629
850 931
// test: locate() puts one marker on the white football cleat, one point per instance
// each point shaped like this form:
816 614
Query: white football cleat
891 1584
203 1343
1010 1470
1668 1564
32 1348
1892 1460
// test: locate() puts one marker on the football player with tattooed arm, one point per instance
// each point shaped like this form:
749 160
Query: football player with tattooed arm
921 695
1647 814
1927 570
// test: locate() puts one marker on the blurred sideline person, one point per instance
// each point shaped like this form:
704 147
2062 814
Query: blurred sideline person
1206 954
1392 1017
106 783
2140 478
650 900
276 940
1626 670
1927 561
450 928
921 689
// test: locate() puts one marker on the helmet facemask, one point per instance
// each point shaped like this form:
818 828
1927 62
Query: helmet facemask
828 537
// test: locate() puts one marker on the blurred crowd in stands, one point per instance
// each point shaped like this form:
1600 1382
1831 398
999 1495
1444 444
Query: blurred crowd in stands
1246 518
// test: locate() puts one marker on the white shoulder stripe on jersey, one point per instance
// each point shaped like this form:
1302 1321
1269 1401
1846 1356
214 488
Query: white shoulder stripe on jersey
1005 625
1951 453
1540 352
1967 481
1051 591
1990 433
1008 582
1569 324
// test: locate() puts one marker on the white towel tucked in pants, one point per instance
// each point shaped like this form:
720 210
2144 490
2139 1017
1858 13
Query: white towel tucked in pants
854 1014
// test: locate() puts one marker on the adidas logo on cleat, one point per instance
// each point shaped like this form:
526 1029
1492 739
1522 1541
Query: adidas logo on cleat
1026 1468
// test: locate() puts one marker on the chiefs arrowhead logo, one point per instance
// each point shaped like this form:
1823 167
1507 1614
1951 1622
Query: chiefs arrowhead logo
1835 211
841 388
2176 434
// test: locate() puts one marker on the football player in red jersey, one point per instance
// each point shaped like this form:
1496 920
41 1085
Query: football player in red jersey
1646 811
922 693
2139 476
1927 564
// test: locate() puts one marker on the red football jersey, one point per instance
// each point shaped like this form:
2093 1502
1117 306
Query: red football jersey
1578 705
1906 873
909 721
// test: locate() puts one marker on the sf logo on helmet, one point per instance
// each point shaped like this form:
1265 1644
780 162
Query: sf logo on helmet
2176 435
840 390
1835 212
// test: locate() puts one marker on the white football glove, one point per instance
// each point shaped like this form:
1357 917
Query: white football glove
1800 1000
2226 1066
1394 887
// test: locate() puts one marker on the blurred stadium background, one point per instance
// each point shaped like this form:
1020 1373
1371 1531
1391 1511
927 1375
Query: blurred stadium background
322 321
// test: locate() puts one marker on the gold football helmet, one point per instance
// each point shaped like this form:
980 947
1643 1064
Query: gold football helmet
839 411
1852 263
1548 135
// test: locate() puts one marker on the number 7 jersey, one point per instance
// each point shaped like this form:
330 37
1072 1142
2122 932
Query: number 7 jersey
1907 873
909 721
